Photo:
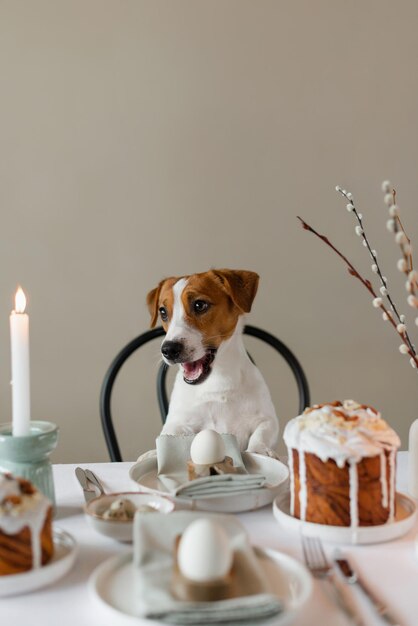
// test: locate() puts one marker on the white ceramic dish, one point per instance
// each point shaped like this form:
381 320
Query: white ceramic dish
144 474
112 585
65 552
119 529
405 518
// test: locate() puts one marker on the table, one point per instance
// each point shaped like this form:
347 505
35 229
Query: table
391 568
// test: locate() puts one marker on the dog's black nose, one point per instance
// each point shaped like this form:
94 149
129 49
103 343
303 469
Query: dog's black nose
171 350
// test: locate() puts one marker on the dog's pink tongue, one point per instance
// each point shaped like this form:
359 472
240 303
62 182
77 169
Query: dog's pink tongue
192 371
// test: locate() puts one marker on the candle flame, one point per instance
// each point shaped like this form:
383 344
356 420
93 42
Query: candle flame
20 301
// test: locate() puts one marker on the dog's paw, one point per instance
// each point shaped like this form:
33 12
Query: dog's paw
147 455
261 449
177 430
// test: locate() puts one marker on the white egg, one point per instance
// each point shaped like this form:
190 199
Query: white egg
207 447
204 553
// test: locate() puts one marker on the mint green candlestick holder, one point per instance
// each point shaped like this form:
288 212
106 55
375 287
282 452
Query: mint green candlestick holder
28 456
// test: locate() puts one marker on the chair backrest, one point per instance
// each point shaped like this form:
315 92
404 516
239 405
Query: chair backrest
162 396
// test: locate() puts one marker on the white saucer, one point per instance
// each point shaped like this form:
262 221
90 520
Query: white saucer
144 473
65 551
113 585
405 518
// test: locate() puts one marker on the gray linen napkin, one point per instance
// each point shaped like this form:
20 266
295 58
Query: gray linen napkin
173 453
154 538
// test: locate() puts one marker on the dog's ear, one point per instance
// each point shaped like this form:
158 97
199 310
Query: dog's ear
152 302
240 285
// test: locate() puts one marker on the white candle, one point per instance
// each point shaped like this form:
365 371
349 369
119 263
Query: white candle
19 339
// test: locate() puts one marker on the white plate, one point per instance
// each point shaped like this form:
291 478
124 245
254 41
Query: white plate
113 586
144 473
65 551
121 530
405 518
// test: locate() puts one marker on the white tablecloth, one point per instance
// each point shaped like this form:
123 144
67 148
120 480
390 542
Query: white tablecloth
391 568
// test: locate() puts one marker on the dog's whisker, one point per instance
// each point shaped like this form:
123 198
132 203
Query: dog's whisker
157 360
157 365
221 335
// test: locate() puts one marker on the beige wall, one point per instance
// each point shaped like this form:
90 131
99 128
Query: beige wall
140 139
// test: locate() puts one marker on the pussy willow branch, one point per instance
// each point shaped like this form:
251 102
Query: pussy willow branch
352 270
407 255
397 226
383 280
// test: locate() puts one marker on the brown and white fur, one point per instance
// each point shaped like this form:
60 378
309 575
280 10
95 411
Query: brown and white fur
217 385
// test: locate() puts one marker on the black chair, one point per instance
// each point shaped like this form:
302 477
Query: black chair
132 346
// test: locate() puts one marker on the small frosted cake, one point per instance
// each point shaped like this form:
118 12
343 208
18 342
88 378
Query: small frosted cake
123 510
25 526
342 463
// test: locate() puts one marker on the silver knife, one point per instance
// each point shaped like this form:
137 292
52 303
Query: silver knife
89 493
353 579
343 599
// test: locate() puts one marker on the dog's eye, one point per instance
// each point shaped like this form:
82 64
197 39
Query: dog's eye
200 306
163 313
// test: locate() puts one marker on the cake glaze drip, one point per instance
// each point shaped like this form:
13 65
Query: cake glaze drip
292 481
19 509
303 492
345 432
392 460
383 479
353 476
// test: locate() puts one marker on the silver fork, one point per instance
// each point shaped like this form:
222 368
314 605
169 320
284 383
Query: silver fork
319 567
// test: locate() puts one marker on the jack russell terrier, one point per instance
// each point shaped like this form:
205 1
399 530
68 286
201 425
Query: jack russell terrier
217 385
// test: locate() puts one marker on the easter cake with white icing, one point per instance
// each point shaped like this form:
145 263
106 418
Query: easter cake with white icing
342 464
25 526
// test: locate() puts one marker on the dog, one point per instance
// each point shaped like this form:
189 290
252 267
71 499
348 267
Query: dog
217 385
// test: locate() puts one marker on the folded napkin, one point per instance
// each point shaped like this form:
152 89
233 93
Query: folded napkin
173 453
154 539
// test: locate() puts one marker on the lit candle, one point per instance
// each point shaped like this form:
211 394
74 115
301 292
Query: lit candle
19 339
